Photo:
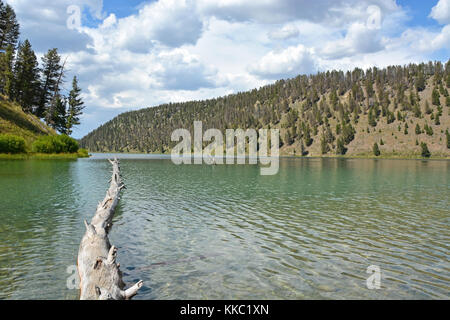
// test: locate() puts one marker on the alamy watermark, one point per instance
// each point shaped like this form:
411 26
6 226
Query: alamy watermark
234 146
74 20
73 280
374 19
374 280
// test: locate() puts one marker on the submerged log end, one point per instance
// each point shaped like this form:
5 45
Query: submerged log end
131 292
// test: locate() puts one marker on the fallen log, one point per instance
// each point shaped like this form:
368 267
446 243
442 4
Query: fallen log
100 276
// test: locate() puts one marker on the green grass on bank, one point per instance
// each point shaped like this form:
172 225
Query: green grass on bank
45 147
14 121
82 153
24 136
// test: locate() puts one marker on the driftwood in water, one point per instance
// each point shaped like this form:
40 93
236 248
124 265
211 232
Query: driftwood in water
100 276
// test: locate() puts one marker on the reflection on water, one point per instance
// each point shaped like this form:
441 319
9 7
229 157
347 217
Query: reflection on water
225 232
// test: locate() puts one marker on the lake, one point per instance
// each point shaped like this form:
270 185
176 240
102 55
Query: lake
226 232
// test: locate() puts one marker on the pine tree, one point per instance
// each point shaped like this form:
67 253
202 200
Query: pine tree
376 150
427 108
442 90
307 136
420 82
58 117
448 138
9 34
436 120
390 117
329 137
324 148
340 147
76 106
372 121
6 71
417 112
303 151
369 88
428 129
348 133
435 97
418 130
9 27
26 87
288 139
425 152
51 80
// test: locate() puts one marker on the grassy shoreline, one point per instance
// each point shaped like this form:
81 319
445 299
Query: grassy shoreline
41 156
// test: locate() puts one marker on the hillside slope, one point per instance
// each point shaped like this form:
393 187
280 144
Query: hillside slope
14 121
324 114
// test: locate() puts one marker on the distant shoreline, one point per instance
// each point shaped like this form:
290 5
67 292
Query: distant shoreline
368 156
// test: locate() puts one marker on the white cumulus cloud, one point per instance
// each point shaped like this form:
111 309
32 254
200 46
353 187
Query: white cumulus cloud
441 12
285 63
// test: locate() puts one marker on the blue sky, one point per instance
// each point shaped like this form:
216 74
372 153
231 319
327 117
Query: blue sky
134 54
123 8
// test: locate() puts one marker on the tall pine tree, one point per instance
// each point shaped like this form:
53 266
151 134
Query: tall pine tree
58 117
9 34
6 70
76 106
26 88
51 78
9 27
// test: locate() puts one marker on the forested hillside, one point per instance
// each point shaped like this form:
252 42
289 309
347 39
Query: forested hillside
395 111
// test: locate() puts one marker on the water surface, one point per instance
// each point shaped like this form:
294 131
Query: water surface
226 232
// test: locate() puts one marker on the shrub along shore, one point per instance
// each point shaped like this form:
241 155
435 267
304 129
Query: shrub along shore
45 147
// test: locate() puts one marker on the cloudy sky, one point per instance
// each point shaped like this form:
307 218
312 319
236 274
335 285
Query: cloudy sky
134 54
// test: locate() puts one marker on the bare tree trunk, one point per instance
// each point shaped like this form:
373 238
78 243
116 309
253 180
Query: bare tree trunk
100 277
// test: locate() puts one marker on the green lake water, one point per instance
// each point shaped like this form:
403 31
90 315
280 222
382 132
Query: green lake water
226 232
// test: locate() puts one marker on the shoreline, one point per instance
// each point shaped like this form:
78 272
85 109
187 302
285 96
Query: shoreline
42 156
358 156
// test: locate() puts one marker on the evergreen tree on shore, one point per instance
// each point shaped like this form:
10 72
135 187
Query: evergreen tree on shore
447 134
26 84
58 117
6 70
340 147
9 27
75 106
425 152
376 150
51 78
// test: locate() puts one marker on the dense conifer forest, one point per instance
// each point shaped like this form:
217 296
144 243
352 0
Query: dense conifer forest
399 108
